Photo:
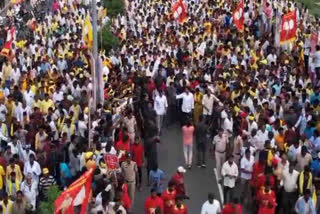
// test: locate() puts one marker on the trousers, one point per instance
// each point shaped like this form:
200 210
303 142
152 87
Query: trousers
187 151
220 159
131 190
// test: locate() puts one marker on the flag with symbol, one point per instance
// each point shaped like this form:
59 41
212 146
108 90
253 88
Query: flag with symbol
179 11
288 27
238 16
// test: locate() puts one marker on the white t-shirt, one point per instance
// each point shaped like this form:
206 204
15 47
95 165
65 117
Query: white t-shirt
213 208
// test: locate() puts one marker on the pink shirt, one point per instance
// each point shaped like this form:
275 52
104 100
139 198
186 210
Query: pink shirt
187 135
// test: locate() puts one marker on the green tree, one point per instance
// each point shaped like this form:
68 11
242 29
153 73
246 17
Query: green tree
47 207
114 7
106 39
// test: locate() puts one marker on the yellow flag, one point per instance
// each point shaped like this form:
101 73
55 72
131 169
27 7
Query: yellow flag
87 35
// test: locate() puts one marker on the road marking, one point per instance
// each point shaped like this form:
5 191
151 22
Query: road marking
219 185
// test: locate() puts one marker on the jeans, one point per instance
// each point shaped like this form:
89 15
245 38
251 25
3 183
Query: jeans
187 151
318 73
306 63
171 115
288 202
185 117
139 177
201 154
227 194
245 191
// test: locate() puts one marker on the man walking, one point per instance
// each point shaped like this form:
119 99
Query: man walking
207 103
201 141
129 169
211 206
290 194
229 173
220 142
246 165
160 107
187 104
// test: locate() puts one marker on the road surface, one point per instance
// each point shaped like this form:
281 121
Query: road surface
199 182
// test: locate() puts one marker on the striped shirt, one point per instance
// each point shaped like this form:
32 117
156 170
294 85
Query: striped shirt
45 184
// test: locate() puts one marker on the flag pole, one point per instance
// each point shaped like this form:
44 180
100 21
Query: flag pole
96 83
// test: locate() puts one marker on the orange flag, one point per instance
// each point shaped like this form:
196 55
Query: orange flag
78 193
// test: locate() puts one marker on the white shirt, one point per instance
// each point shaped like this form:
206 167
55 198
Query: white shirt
57 96
228 126
34 170
290 180
82 127
3 112
252 126
213 208
227 171
246 165
30 192
187 102
207 102
160 104
29 97
316 59
54 130
14 148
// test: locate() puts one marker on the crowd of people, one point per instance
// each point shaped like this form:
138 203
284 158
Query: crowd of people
240 97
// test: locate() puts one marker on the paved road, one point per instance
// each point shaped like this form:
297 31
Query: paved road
198 181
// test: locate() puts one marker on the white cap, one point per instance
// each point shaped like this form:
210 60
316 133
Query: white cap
181 169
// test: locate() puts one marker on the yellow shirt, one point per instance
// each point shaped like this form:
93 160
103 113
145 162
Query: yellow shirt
2 173
45 105
16 169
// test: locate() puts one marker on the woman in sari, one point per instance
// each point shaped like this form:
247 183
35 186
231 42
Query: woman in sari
197 106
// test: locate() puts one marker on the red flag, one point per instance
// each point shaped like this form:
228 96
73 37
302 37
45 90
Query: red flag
179 11
112 161
7 46
238 16
80 190
288 27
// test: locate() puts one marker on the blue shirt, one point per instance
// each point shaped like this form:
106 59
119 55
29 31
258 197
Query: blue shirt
315 97
64 168
301 206
155 178
309 132
315 167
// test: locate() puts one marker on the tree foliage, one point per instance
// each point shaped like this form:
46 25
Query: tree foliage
114 7
106 39
47 207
